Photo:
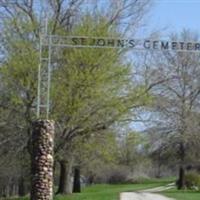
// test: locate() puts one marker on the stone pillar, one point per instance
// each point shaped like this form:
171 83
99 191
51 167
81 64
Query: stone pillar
42 160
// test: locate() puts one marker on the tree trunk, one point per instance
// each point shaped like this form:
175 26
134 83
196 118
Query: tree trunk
7 190
77 180
91 179
181 180
65 180
158 172
21 187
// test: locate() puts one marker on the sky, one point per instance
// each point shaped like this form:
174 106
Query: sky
169 16
173 15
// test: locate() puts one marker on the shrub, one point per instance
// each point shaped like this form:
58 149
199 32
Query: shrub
118 174
112 174
138 179
192 180
117 177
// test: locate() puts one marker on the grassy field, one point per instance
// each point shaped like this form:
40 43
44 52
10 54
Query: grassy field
106 192
182 194
111 192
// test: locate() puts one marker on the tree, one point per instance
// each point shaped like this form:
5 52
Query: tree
177 100
21 28
98 90
95 154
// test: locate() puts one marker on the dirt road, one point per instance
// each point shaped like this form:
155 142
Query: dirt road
148 194
141 196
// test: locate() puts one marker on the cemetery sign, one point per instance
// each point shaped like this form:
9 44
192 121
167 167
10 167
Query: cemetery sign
137 44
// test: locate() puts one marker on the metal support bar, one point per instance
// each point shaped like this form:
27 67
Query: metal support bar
39 80
47 42
49 78
44 78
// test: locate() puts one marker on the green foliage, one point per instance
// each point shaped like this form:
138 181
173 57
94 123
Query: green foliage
192 180
132 149
92 87
98 148
19 70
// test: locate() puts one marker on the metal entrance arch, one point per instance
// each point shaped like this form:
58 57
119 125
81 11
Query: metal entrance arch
48 42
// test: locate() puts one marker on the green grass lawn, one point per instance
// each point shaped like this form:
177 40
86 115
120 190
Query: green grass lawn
111 192
107 192
182 194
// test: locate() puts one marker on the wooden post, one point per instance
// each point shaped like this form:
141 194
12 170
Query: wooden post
42 160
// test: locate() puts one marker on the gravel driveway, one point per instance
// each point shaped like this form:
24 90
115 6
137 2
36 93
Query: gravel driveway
141 196
147 194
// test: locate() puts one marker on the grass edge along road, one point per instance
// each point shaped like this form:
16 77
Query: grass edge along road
182 194
110 192
106 191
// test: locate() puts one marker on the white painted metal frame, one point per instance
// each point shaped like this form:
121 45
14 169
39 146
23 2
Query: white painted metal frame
47 42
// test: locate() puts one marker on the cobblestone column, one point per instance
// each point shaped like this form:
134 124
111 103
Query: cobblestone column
42 160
